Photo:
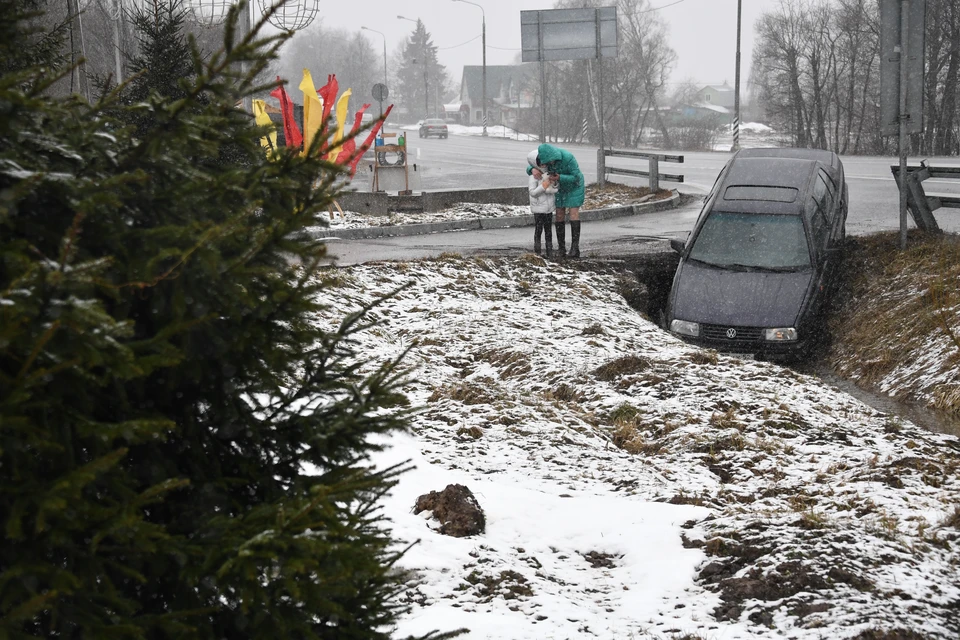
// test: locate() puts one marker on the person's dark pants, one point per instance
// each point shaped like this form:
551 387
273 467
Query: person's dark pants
542 226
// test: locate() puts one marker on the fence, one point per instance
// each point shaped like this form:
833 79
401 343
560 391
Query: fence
921 204
653 172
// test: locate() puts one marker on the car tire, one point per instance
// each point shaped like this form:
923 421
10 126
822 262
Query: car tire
420 133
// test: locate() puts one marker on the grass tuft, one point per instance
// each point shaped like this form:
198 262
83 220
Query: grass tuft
622 366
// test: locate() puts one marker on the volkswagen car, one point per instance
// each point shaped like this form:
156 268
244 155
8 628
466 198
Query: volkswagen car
759 265
433 127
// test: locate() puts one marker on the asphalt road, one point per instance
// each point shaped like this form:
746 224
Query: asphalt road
476 162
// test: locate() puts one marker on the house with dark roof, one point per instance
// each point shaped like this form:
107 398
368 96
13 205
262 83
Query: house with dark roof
511 92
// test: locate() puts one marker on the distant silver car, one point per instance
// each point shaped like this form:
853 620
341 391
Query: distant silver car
433 127
762 259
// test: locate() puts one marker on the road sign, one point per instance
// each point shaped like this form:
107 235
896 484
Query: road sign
380 92
890 55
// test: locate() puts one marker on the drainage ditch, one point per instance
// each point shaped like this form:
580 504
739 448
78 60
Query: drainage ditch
654 274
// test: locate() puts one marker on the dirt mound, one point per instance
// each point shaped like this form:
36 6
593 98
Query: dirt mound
457 510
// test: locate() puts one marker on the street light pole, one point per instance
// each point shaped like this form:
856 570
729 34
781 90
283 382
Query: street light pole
423 59
384 60
736 90
484 40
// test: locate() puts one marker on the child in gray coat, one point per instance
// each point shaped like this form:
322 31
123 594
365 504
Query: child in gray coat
543 205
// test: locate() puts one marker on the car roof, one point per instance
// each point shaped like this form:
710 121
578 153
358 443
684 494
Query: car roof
829 158
434 120
768 171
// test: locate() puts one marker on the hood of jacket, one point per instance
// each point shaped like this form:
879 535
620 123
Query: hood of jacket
532 158
548 153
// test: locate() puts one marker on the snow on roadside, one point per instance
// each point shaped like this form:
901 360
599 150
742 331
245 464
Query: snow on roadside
756 502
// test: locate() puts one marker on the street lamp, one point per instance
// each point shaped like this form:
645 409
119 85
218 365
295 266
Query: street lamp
384 59
484 15
423 58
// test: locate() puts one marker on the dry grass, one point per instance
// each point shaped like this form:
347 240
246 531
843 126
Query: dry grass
466 392
626 365
891 304
612 194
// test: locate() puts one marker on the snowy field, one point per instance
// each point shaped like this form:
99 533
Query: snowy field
638 487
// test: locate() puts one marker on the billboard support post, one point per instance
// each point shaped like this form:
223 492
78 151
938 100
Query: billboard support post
902 43
903 116
568 34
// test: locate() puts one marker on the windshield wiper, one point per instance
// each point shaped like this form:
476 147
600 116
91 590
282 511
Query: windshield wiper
753 267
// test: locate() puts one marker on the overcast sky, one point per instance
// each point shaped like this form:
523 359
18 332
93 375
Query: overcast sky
702 32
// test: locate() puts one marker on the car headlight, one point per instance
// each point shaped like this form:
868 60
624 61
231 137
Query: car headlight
780 334
685 328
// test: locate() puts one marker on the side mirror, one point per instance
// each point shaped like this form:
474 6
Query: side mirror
677 245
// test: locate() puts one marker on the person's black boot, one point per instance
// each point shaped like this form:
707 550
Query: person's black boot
561 240
548 236
537 231
574 238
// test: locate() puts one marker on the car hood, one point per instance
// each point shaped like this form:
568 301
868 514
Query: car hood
740 298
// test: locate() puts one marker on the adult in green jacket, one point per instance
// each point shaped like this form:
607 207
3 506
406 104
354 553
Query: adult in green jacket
569 197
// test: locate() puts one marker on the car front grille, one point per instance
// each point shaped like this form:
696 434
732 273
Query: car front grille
723 333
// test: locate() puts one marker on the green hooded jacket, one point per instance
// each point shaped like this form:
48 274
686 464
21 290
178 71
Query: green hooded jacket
572 183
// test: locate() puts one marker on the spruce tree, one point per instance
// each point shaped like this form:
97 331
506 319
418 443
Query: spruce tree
162 383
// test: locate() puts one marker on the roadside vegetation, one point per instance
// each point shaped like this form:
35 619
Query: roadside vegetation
895 322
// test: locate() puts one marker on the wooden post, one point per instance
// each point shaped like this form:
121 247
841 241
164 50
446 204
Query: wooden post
654 174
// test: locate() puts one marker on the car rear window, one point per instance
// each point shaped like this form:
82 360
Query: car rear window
436 122
766 194
763 241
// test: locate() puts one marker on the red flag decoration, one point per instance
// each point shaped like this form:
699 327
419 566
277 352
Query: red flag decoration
291 132
328 93
346 151
369 141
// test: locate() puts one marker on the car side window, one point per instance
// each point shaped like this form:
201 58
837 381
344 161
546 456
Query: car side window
818 222
823 194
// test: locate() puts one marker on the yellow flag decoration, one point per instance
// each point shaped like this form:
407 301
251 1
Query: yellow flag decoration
260 115
312 110
342 105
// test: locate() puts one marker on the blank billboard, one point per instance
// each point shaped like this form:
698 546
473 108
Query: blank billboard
568 34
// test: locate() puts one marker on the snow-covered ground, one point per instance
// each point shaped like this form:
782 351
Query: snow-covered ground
638 487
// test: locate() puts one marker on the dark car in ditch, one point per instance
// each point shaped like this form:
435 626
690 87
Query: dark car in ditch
757 269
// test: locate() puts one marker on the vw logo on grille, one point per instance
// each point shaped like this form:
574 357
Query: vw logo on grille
731 333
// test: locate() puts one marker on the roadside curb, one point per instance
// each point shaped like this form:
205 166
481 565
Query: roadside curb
476 224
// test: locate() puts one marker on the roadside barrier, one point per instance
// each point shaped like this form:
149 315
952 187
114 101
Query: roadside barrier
653 172
921 204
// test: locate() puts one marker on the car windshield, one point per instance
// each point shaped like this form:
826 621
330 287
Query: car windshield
752 241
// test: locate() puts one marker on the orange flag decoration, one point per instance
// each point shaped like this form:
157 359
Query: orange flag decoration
291 132
346 151
369 141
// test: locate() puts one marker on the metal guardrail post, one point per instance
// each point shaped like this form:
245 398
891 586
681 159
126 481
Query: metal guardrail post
654 174
601 167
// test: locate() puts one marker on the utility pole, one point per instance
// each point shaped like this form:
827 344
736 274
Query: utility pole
736 90
484 40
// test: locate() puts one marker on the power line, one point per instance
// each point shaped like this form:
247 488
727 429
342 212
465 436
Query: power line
663 7
458 45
